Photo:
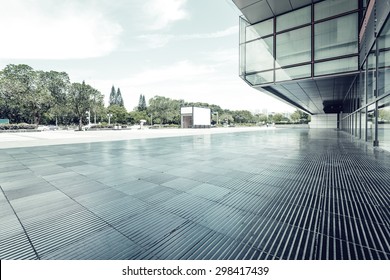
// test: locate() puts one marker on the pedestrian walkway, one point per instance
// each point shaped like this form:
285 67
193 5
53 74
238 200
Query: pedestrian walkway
267 194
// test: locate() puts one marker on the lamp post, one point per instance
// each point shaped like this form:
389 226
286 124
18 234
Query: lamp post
109 118
151 119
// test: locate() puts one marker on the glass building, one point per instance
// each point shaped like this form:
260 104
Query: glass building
328 58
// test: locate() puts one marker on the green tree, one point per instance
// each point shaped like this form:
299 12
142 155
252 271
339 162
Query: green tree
141 103
226 117
79 100
112 96
119 98
119 114
17 82
165 110
38 100
277 118
58 84
98 111
243 116
296 116
135 116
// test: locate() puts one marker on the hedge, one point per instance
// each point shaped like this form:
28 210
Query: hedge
17 126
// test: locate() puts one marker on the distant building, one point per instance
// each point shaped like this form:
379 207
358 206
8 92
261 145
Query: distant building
195 117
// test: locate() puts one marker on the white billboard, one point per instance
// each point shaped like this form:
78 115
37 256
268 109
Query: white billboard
201 116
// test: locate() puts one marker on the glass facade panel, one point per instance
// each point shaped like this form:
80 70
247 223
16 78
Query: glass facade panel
371 80
364 124
336 66
242 60
293 19
259 55
384 123
293 47
336 37
362 86
261 29
293 73
243 24
371 123
384 60
331 8
384 73
261 78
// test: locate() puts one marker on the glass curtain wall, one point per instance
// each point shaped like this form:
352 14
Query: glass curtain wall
285 47
367 105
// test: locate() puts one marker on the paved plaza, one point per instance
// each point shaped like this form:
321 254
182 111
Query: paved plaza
242 194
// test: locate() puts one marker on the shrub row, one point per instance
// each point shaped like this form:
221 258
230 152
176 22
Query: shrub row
17 126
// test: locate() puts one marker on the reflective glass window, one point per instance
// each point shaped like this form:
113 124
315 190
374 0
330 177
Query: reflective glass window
261 78
371 62
336 66
384 60
362 85
331 8
261 29
371 122
293 47
384 123
293 19
259 55
363 124
336 37
383 73
293 73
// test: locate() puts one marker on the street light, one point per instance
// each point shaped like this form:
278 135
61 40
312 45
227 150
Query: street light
109 118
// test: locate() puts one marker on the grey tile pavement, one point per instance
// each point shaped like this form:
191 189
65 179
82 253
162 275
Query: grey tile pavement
271 194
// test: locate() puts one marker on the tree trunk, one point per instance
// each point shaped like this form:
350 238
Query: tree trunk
80 123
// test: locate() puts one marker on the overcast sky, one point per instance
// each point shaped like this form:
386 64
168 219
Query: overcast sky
182 49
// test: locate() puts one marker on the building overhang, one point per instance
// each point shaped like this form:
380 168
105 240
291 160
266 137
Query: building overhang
259 10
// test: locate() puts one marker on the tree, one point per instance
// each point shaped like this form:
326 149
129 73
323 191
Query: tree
97 105
141 103
135 116
296 116
119 98
299 116
277 118
80 97
38 100
58 84
165 110
16 84
119 114
112 96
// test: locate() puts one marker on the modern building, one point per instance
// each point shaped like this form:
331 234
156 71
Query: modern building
328 58
195 117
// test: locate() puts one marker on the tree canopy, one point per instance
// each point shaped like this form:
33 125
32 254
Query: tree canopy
49 97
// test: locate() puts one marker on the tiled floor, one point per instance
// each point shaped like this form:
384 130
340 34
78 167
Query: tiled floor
276 194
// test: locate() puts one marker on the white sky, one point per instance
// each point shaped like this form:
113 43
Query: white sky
182 49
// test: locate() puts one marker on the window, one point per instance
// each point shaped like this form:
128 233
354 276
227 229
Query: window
384 123
336 66
293 73
336 37
259 55
293 19
293 47
331 8
261 29
261 78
